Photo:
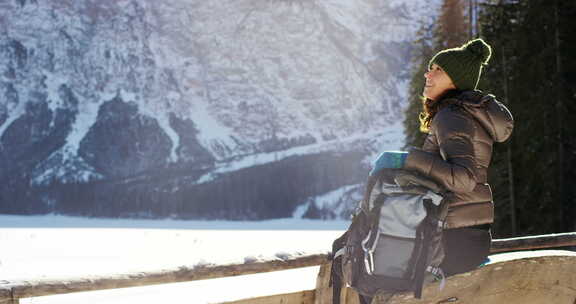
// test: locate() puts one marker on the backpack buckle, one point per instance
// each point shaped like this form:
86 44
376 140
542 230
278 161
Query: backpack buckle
369 252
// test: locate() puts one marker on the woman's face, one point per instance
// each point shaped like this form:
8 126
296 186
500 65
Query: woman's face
437 82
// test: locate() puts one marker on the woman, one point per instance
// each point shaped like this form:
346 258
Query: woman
462 125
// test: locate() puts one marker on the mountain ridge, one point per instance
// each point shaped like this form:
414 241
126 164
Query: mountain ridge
100 92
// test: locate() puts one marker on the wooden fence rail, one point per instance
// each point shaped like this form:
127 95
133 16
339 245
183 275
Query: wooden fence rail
46 287
534 242
11 292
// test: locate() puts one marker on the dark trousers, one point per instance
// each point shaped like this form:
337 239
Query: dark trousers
466 248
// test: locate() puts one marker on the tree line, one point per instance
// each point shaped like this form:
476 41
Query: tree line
532 71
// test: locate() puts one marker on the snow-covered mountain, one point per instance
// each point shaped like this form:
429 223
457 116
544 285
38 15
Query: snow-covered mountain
240 109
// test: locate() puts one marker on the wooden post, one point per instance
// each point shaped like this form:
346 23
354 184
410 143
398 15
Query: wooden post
6 294
324 291
9 301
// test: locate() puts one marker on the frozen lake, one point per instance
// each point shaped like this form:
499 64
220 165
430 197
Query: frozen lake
57 246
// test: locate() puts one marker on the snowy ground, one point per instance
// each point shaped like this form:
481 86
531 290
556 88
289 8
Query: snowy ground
57 246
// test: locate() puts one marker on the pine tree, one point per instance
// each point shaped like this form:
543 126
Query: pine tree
531 60
453 27
498 22
449 30
423 52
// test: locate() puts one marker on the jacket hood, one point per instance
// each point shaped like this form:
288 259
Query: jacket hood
490 113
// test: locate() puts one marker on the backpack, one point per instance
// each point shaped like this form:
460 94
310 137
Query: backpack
394 241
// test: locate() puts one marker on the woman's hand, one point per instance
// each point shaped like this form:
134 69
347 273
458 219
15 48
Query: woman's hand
389 160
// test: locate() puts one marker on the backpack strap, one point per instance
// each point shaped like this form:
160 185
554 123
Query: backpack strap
363 300
420 269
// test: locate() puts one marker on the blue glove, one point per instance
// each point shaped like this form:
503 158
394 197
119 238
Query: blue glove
389 159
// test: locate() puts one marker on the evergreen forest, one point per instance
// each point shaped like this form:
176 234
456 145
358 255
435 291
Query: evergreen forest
533 71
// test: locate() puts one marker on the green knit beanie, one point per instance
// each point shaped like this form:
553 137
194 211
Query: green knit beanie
464 64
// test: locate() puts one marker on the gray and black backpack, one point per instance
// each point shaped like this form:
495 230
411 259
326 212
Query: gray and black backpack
394 241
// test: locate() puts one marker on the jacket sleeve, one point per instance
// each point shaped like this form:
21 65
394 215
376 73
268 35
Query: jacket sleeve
454 165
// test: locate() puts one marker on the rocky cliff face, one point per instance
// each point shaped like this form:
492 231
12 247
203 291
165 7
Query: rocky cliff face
196 109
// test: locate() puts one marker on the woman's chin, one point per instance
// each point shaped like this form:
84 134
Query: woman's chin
430 94
426 92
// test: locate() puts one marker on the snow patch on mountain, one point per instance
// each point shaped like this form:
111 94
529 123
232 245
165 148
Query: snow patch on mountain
333 204
64 168
390 138
13 112
53 82
86 117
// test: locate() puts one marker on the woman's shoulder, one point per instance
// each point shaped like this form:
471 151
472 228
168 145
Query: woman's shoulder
474 108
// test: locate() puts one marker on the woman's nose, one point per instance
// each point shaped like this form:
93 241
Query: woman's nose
427 74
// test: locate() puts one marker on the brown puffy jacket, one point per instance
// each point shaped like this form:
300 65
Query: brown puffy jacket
457 153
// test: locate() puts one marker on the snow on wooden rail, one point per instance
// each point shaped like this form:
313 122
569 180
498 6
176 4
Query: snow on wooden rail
11 292
45 287
534 242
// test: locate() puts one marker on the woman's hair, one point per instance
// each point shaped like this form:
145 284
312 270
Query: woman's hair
431 107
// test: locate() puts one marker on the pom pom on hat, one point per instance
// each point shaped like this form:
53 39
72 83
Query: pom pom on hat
464 64
479 48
